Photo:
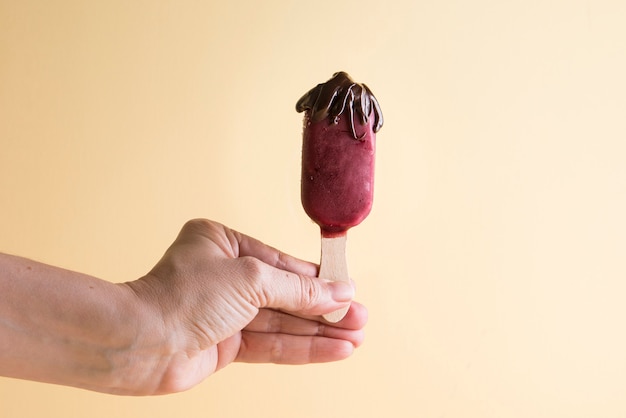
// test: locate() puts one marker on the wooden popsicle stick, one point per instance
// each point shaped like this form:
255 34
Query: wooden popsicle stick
333 266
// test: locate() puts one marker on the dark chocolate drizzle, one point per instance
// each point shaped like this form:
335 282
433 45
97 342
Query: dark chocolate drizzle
339 94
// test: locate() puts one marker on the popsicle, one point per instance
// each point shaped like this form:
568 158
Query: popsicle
341 118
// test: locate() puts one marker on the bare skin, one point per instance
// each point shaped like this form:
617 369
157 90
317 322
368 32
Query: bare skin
216 297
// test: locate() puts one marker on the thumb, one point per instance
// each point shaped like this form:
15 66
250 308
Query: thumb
303 294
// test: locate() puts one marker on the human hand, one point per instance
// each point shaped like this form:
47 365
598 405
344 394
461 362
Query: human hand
223 296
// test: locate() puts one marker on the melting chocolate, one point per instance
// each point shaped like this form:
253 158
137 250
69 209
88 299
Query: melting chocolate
338 95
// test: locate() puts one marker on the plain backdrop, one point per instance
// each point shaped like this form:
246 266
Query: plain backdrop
492 263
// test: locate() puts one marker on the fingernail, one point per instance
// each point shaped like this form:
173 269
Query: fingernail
342 291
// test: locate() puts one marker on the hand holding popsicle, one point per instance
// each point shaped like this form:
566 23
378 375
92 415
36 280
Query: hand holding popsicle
341 118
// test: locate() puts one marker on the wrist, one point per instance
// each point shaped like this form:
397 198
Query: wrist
145 345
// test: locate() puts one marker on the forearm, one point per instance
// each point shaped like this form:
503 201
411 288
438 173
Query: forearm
68 328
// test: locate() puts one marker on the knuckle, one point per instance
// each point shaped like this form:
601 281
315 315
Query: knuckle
252 268
254 274
196 223
282 260
310 293
275 324
276 351
200 225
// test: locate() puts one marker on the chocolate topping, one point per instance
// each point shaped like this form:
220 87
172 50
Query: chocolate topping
340 93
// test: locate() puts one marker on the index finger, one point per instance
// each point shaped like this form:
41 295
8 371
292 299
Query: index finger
249 246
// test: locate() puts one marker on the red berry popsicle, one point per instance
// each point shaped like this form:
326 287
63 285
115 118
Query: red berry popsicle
341 118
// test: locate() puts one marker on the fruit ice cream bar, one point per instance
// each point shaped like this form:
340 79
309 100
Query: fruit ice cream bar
341 118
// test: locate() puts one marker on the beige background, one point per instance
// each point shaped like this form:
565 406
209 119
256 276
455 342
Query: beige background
492 263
